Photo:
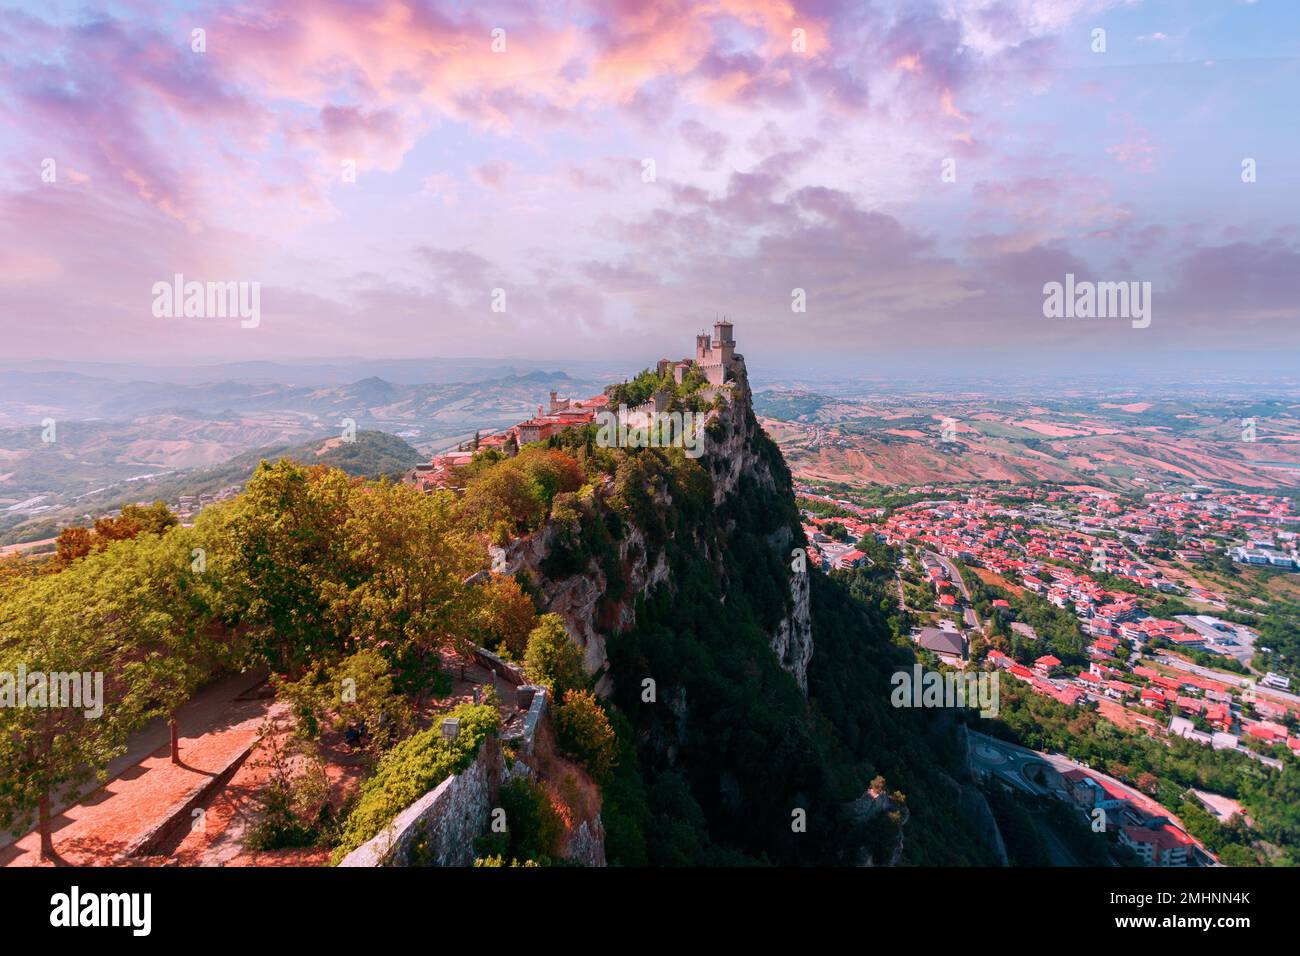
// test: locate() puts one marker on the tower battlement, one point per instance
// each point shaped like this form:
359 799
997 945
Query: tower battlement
716 356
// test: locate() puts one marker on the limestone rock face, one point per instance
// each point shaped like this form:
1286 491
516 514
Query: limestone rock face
792 640
867 808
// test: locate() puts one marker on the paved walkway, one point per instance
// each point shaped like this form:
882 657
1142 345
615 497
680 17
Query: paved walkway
95 825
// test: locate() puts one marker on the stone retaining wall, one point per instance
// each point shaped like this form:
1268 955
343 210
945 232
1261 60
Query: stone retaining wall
440 828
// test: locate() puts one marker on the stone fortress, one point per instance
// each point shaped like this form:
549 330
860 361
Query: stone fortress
716 357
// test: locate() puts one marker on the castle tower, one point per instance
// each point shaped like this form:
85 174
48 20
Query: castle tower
722 333
702 349
723 343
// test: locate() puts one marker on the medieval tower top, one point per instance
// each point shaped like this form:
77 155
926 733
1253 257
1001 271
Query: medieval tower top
722 333
716 357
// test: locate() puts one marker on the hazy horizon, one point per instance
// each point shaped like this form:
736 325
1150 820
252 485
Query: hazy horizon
1184 369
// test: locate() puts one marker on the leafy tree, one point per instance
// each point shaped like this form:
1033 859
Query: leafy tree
553 658
534 828
186 647
518 491
504 501
506 618
358 693
405 561
106 619
585 733
73 542
151 519
281 544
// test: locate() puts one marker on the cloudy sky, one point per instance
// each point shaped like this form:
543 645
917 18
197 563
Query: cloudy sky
624 171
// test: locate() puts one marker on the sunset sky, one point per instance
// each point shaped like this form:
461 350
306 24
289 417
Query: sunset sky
774 169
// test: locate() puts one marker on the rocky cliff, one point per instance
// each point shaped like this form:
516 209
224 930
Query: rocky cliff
737 457
740 742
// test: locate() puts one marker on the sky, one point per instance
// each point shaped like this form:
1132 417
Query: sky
856 185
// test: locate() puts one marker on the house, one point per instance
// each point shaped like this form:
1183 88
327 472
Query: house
538 429
998 659
1182 727
1090 793
1276 680
849 559
1117 689
1153 698
1047 665
1268 735
950 646
1162 846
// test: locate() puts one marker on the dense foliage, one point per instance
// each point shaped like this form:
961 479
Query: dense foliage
585 733
411 769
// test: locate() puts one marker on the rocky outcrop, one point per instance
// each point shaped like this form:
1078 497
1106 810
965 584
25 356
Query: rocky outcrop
975 809
586 846
792 641
576 598
729 453
865 810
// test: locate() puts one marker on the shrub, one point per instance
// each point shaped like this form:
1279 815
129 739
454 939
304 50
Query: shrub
294 808
411 769
356 692
520 489
552 657
534 828
585 733
491 861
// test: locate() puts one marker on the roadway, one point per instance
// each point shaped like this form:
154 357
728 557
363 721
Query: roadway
969 615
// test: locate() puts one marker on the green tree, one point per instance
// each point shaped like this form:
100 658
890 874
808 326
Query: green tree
405 559
282 547
103 622
585 733
151 519
553 658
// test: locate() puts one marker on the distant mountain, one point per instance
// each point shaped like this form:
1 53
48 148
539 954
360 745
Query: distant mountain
436 410
112 434
789 405
322 374
372 454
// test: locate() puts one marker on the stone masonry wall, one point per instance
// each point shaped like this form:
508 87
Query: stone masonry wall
440 828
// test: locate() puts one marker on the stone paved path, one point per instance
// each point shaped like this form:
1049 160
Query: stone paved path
95 826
